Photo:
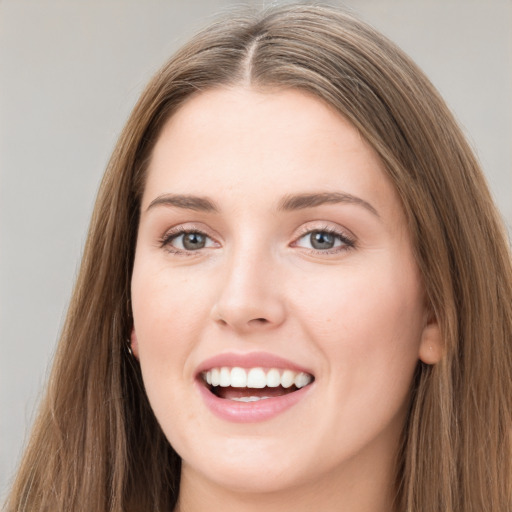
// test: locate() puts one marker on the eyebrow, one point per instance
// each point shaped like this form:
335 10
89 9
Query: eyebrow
187 202
288 203
302 201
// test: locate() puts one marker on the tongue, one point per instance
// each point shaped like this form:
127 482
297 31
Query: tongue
230 393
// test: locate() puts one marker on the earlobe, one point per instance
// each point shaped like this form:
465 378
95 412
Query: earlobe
134 344
431 345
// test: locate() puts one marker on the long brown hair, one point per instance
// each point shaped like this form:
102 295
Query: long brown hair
96 444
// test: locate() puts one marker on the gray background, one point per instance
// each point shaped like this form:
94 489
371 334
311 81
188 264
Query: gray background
70 71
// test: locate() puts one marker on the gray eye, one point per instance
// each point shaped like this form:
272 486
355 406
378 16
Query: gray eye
322 240
193 241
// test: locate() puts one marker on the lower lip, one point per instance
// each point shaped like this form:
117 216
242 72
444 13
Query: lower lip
249 412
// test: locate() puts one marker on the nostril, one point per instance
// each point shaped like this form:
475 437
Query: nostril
260 320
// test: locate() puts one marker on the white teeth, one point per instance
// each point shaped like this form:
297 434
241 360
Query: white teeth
215 376
249 398
256 378
225 377
273 378
287 379
301 380
238 378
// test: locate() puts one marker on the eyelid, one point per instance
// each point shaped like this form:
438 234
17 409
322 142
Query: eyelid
181 229
343 234
347 238
322 225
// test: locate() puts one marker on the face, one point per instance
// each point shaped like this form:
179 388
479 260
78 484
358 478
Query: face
278 311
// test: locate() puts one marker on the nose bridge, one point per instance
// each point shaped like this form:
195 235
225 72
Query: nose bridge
249 296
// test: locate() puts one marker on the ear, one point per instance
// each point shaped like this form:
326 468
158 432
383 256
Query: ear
431 344
134 344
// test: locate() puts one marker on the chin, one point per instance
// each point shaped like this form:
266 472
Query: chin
248 478
250 465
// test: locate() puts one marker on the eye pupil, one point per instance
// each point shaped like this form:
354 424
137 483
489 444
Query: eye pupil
193 241
322 240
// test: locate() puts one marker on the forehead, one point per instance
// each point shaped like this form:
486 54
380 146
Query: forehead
241 142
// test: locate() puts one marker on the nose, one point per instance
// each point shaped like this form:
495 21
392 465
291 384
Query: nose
250 296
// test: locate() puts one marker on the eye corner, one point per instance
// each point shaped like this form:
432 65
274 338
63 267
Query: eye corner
198 240
324 240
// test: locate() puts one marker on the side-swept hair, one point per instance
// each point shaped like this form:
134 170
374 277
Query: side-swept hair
96 444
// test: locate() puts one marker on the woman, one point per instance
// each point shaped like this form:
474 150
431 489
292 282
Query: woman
296 293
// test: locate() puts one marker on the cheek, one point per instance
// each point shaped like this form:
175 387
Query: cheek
367 327
166 322
163 301
167 308
366 321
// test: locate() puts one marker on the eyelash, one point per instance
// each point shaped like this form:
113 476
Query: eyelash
348 242
174 233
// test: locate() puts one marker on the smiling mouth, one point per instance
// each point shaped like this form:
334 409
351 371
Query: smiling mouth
253 384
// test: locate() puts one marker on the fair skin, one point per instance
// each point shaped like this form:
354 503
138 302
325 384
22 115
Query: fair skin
254 270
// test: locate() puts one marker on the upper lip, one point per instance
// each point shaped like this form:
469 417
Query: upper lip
250 360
